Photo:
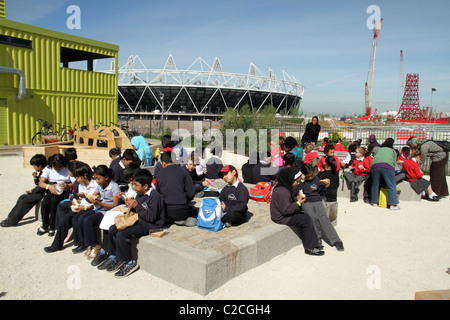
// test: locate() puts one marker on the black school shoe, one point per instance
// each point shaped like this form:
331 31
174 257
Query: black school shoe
339 246
314 252
79 249
51 249
7 223
126 269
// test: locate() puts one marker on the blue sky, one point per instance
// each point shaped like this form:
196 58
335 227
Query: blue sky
325 45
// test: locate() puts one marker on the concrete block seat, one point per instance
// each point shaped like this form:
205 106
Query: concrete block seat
406 192
202 261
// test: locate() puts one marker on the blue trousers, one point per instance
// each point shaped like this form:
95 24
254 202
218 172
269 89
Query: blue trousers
389 178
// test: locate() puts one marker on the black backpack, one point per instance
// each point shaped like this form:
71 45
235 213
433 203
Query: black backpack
444 144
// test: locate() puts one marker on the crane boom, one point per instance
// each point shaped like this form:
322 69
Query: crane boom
371 74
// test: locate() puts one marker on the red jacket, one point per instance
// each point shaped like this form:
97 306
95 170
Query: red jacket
412 170
339 147
321 164
366 167
310 157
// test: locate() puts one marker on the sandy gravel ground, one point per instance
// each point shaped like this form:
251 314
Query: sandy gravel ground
388 255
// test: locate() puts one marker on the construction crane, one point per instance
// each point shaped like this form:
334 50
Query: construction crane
371 73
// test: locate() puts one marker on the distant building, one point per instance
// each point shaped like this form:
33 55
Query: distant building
38 81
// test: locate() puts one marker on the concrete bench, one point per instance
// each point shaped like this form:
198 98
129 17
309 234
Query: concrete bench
406 192
202 261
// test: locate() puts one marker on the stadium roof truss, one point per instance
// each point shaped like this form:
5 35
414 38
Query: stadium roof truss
202 89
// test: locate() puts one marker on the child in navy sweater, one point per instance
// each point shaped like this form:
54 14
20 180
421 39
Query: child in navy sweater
32 197
150 208
313 188
234 198
177 189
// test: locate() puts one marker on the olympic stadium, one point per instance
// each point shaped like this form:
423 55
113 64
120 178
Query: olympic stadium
201 91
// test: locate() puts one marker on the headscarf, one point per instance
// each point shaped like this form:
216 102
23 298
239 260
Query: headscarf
372 138
286 177
142 149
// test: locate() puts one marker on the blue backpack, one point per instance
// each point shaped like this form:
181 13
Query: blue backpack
210 215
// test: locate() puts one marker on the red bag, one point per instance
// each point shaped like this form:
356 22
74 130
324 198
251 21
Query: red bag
261 192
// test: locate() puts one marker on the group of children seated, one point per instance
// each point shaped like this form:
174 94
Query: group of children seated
72 195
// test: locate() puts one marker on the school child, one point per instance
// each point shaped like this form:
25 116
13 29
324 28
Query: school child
71 154
339 146
291 145
199 184
129 156
277 153
247 168
200 162
313 188
107 191
328 152
311 156
233 197
129 194
415 177
287 209
360 174
325 142
143 150
57 183
350 156
32 197
149 206
214 164
67 211
331 174
404 155
176 187
263 171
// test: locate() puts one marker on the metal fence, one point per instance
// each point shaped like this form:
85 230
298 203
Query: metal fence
399 134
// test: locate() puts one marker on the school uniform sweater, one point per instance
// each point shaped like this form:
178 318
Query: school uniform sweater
412 170
321 164
313 189
310 156
117 168
358 171
150 209
331 191
235 197
175 185
213 166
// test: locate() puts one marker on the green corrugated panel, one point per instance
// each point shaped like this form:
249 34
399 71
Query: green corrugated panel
55 94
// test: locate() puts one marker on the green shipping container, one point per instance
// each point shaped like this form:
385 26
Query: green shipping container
55 91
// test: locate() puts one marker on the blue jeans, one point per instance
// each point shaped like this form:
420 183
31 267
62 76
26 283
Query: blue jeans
389 178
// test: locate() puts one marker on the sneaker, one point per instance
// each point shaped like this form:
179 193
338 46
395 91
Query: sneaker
314 252
339 246
127 269
105 264
102 256
114 265
394 208
41 231
374 204
189 222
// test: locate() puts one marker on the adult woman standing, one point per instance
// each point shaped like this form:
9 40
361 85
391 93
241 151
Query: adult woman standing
383 166
439 159
312 131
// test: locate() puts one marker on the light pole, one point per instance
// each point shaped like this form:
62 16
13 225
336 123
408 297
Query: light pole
161 97
432 90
